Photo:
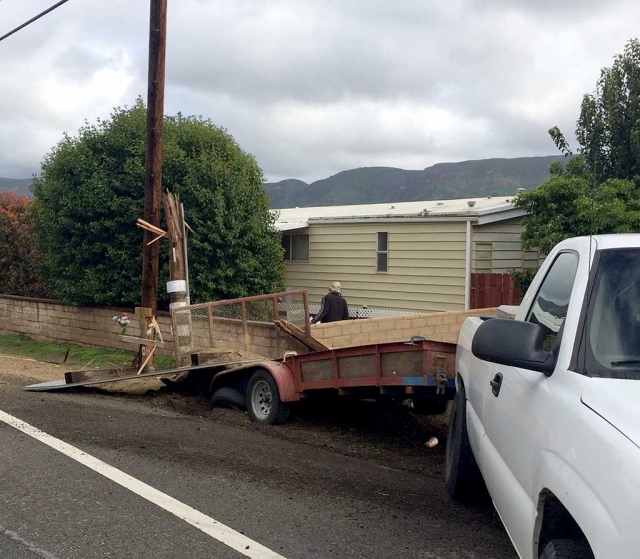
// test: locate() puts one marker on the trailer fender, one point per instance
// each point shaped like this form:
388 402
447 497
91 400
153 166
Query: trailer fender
284 379
279 371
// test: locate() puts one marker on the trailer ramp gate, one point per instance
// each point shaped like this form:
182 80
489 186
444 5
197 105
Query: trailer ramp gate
246 325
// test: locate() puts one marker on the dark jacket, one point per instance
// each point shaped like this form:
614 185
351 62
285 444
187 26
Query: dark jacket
334 307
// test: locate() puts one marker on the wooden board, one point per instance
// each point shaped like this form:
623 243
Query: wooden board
314 371
357 366
61 384
402 364
301 336
96 374
142 341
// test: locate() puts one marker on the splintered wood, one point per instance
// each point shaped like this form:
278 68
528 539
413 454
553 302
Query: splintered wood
300 335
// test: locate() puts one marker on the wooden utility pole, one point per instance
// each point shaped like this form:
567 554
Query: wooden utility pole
153 162
177 262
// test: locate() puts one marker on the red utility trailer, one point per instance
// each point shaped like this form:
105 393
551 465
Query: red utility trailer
419 369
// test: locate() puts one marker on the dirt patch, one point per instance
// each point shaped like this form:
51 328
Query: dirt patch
393 437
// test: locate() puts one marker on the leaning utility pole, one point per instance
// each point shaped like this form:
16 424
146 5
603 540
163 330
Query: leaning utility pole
153 163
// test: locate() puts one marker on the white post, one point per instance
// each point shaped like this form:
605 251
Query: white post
467 269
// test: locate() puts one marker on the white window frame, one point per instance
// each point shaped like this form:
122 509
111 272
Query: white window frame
379 252
289 257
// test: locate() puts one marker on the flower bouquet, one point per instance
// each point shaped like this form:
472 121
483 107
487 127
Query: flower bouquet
123 321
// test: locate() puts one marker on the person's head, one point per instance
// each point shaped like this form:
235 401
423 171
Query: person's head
334 287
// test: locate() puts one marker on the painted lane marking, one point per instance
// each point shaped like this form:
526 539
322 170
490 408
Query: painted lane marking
202 522
30 546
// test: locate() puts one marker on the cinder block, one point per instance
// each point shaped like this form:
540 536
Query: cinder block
434 321
377 337
419 323
450 337
408 332
368 325
387 326
352 327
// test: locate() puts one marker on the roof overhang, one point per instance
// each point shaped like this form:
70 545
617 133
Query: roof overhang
389 219
291 226
500 216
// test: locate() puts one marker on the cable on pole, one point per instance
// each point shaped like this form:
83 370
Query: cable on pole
33 19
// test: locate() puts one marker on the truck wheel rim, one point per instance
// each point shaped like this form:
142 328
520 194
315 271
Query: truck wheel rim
261 400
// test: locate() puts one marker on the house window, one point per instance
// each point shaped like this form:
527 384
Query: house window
296 247
382 256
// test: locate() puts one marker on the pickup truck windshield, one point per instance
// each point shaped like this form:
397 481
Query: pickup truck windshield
613 319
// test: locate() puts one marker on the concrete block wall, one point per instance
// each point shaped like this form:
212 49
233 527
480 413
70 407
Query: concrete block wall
45 319
442 327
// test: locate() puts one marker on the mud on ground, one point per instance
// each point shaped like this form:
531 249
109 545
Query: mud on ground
392 437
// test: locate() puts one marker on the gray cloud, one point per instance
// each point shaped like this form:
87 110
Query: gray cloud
315 87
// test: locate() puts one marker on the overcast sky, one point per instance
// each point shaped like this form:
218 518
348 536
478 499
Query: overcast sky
315 87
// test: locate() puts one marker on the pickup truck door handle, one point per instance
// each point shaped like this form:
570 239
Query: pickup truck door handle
496 383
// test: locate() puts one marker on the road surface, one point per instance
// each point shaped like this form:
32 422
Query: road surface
251 491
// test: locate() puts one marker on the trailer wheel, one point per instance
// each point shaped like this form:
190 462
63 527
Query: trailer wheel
263 400
430 407
230 397
463 479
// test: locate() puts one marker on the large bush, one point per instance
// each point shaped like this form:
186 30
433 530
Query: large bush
20 258
90 192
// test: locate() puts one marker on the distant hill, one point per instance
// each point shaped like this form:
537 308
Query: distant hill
370 185
19 186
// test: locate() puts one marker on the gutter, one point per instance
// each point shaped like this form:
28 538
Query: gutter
384 219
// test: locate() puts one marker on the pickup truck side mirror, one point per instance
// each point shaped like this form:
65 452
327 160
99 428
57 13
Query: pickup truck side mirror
514 343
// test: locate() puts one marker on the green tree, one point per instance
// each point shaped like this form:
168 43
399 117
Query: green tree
90 192
597 191
566 206
608 129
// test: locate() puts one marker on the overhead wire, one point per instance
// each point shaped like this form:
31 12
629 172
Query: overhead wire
35 18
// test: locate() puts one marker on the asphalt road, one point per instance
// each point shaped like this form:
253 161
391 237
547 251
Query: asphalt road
295 499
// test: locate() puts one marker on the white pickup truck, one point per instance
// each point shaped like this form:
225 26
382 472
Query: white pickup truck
547 409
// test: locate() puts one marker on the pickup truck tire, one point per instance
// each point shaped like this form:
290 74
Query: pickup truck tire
263 400
430 407
463 479
227 396
567 549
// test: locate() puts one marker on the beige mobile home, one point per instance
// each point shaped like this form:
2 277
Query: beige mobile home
407 256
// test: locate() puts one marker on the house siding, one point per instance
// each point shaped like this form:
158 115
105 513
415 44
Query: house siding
497 248
426 265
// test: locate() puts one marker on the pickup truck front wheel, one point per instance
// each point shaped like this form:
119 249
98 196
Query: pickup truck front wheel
567 549
463 479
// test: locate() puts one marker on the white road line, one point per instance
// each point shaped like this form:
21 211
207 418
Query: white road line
209 526
30 546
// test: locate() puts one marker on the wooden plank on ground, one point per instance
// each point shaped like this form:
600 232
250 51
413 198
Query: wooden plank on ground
301 336
83 376
142 341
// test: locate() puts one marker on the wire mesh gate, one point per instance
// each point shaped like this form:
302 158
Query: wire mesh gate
243 325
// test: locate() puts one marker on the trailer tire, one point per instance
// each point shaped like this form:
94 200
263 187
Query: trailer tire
430 407
463 479
567 549
230 397
263 400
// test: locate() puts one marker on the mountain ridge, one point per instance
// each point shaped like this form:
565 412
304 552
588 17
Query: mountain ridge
19 186
447 180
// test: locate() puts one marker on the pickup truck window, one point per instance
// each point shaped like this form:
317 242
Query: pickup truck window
613 317
552 301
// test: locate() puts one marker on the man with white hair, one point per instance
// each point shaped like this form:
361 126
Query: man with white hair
334 306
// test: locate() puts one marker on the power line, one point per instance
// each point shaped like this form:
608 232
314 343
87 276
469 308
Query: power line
33 19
